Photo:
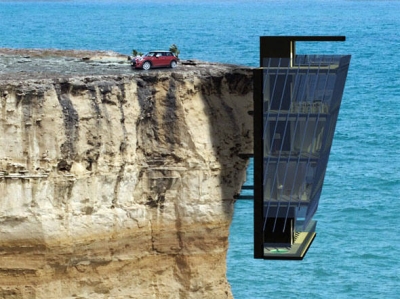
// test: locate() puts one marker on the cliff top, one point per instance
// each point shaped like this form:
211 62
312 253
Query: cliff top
23 64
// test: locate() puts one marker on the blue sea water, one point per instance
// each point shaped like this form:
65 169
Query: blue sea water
357 250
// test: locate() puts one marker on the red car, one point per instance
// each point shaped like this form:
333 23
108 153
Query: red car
155 59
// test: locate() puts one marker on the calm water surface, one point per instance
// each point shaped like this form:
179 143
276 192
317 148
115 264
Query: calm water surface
356 252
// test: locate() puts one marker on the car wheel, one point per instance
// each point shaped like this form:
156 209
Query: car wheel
146 65
173 64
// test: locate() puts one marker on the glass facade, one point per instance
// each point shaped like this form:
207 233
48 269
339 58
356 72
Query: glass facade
300 104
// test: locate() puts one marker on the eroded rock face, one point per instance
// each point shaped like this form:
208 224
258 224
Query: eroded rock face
121 186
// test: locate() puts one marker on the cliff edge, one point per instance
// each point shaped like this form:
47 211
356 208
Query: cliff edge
118 183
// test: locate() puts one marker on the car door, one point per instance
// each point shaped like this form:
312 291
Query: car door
158 60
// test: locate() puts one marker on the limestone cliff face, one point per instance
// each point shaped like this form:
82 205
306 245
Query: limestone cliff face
121 186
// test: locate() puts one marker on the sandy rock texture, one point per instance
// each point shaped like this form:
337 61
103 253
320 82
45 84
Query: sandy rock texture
117 183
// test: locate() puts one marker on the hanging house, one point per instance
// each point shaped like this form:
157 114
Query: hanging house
296 105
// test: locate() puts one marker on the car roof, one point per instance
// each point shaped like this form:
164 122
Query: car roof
160 51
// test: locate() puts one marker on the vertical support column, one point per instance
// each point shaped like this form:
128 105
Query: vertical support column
258 163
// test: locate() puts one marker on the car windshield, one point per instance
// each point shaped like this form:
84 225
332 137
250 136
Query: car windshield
150 54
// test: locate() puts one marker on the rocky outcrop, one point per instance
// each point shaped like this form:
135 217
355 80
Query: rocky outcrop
117 183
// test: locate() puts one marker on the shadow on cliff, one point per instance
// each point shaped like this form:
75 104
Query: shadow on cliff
163 136
230 128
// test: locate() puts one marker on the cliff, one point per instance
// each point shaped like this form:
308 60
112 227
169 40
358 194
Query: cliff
118 183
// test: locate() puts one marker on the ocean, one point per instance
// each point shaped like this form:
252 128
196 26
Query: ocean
356 253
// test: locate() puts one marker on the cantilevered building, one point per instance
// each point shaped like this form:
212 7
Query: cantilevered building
296 105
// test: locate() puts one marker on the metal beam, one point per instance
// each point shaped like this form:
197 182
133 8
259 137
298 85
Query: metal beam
285 46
